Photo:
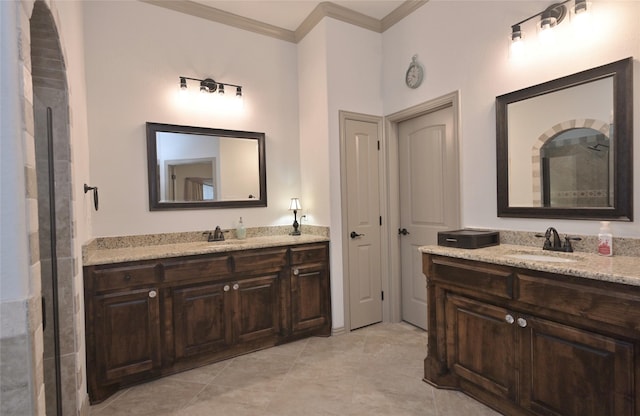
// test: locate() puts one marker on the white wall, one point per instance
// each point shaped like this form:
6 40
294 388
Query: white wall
464 46
135 53
340 69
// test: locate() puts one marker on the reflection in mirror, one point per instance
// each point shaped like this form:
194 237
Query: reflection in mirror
565 147
194 167
576 169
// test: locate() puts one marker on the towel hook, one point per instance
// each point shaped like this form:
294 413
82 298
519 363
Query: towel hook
88 188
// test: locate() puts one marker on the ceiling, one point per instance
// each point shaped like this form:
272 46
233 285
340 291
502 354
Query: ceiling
289 14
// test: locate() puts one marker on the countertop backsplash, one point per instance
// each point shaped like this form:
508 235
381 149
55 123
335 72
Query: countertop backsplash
588 244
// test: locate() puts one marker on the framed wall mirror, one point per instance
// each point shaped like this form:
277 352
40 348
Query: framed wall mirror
198 167
565 147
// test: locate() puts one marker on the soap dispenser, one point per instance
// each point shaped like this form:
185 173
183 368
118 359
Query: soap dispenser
605 239
241 232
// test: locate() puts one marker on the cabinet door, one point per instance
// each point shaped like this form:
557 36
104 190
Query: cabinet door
201 319
481 344
573 372
310 303
127 333
257 310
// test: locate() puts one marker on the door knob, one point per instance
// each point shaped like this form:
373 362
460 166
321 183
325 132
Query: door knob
355 234
403 231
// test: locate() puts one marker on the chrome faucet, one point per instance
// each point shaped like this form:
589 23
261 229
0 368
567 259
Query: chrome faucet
217 235
552 232
557 244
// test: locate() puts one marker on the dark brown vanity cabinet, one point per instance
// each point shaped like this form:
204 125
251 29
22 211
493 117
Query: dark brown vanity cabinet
533 343
310 302
124 315
151 318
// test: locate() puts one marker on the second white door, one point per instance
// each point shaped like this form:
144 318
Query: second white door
429 199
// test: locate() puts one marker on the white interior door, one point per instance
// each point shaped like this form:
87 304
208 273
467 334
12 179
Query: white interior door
363 222
429 199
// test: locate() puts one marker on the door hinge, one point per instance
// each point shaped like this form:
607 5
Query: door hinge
382 295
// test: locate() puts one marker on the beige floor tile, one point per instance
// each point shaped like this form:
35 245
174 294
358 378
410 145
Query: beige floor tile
158 398
373 371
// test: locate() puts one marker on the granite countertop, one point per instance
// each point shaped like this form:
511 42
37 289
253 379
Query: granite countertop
95 256
618 269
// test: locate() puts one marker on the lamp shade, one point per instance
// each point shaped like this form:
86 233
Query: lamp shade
295 204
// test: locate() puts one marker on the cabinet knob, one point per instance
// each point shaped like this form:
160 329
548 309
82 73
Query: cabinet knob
522 323
127 277
153 294
236 286
296 272
226 288
509 319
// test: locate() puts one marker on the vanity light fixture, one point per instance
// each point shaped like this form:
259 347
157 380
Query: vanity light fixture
550 17
295 206
210 85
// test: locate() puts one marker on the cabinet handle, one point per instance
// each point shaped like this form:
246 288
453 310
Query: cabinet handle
153 294
236 286
522 323
296 272
509 319
226 288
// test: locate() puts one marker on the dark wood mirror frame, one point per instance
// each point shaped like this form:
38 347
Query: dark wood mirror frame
156 204
622 73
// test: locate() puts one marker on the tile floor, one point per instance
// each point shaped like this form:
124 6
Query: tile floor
372 371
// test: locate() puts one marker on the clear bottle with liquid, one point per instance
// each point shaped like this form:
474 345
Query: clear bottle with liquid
241 232
605 239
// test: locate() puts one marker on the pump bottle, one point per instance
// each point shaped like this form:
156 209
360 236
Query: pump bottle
605 239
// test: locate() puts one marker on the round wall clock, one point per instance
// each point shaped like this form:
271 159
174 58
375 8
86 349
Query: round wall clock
415 73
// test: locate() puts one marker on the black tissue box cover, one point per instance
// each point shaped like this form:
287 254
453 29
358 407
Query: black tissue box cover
468 238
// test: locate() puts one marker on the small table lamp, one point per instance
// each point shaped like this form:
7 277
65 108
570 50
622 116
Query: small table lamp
295 206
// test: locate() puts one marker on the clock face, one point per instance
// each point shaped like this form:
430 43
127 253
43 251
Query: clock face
414 75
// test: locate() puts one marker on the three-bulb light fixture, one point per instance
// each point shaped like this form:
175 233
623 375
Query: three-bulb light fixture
550 17
209 85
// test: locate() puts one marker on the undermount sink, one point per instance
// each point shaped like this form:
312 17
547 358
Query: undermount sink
541 257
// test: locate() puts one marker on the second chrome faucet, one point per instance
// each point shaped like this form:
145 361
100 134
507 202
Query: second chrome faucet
553 242
217 235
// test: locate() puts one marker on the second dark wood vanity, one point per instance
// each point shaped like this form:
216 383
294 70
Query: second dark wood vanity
150 318
531 342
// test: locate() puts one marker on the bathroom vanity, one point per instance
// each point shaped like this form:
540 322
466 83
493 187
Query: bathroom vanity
529 332
159 310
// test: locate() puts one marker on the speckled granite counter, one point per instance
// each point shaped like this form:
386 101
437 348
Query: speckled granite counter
618 269
94 255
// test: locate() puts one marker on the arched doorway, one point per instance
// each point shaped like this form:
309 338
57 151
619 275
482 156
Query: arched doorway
55 216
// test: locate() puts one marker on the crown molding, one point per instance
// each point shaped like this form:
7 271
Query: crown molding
400 12
324 9
328 9
220 16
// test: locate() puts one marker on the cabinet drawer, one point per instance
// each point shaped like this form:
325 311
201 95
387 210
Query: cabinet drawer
124 277
201 268
478 277
260 260
309 254
608 306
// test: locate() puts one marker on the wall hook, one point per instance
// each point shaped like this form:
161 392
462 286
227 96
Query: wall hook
88 188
